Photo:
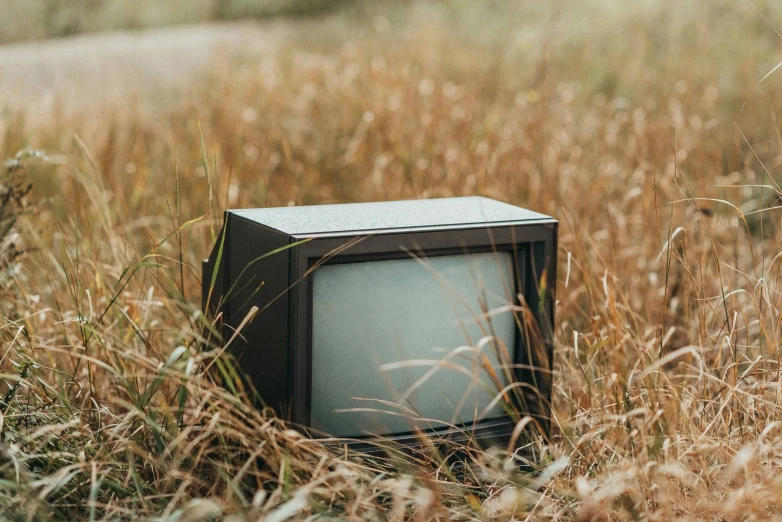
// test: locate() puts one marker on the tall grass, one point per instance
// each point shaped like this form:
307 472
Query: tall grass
646 134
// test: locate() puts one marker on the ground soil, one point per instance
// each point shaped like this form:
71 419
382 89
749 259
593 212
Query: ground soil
94 71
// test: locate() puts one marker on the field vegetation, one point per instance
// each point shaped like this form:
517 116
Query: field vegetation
644 128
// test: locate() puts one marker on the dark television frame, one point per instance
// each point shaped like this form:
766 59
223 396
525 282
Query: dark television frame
533 245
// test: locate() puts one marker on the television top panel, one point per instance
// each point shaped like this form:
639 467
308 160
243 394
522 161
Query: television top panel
391 216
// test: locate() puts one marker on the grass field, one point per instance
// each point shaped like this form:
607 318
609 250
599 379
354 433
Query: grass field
644 128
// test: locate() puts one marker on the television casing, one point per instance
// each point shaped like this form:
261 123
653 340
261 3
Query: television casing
274 349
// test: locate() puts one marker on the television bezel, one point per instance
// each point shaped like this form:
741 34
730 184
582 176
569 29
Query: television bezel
533 246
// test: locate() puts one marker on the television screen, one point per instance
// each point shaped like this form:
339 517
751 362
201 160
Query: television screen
395 342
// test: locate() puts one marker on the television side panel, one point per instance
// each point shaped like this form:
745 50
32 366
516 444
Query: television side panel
212 296
541 287
259 278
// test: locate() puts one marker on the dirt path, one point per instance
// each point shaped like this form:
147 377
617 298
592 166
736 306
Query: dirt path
92 70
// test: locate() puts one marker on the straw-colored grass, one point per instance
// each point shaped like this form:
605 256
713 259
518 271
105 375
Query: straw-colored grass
644 130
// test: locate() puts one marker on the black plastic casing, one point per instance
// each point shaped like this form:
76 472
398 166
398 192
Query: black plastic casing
274 349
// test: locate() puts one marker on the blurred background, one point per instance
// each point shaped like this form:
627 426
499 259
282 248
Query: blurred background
39 19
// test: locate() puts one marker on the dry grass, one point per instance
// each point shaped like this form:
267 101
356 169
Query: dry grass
658 155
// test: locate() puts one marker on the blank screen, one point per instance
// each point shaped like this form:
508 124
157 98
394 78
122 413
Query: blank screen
394 333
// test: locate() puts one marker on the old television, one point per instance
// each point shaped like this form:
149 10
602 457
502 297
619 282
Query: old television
391 321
